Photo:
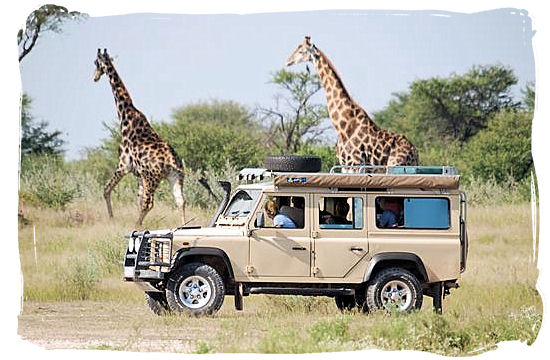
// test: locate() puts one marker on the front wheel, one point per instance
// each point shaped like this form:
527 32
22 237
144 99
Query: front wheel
195 289
394 289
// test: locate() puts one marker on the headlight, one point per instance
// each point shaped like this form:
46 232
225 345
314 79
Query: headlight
131 244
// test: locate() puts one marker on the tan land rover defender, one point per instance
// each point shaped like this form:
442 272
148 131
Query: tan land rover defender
371 237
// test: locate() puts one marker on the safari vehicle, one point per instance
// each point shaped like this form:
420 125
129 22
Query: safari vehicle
371 237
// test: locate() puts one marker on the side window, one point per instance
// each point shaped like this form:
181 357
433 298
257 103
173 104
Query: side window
341 213
283 212
412 213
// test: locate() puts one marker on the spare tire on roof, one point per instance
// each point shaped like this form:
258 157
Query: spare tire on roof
293 163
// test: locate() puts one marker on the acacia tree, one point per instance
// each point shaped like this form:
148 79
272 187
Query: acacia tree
294 121
46 18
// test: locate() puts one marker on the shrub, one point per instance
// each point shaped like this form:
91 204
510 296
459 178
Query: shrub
79 279
45 181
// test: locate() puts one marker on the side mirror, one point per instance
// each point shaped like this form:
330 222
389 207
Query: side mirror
259 222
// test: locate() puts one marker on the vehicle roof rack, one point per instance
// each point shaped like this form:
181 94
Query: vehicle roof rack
363 176
251 175
394 170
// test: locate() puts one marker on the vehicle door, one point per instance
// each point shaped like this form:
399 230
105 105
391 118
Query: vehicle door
280 251
339 233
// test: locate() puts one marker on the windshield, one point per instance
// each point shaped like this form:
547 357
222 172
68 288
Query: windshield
242 203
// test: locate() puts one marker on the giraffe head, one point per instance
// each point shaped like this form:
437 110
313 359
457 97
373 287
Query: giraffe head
306 51
102 63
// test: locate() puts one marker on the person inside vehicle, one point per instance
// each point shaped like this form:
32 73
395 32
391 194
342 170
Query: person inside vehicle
390 213
279 220
296 211
341 210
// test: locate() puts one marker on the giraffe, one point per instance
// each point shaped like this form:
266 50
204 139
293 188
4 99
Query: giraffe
360 140
141 151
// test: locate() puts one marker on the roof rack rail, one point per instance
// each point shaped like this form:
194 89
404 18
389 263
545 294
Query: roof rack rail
395 170
254 174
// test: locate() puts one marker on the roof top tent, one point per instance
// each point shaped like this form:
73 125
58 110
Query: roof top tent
372 177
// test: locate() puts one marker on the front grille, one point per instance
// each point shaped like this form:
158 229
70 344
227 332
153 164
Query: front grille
151 251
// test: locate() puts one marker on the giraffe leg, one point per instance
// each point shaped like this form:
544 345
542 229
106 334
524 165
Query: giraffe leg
147 200
140 192
119 174
176 183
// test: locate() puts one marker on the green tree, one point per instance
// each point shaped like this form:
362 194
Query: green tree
35 138
503 150
450 109
294 121
46 18
214 134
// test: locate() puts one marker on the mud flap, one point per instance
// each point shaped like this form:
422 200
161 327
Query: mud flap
238 296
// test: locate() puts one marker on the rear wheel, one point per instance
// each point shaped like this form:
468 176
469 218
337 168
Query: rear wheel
394 289
195 289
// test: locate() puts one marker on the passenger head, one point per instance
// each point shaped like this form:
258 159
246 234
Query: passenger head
341 208
298 202
271 208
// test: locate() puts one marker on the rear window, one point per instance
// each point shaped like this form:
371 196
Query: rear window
412 213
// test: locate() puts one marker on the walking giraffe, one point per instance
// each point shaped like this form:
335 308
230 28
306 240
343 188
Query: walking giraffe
360 140
141 150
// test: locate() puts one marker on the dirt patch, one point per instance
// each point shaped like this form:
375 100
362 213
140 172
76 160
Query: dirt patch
105 325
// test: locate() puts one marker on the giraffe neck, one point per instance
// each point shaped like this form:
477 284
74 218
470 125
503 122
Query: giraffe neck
130 117
121 94
346 115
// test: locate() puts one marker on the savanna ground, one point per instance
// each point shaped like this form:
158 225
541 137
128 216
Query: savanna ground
74 296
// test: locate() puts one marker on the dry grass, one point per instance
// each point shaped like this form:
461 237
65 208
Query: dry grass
497 300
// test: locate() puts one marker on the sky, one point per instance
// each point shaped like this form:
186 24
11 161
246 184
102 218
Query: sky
168 60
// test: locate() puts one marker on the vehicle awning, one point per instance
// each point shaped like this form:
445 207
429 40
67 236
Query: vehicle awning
373 181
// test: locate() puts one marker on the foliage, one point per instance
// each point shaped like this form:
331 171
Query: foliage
45 181
213 134
503 149
35 139
327 153
446 335
452 108
46 18
294 121
529 97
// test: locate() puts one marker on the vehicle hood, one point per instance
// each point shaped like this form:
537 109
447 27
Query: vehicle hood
198 233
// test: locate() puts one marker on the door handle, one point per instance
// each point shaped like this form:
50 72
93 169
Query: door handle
356 248
298 248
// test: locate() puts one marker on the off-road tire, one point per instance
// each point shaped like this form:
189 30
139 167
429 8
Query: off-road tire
293 163
209 301
157 303
402 279
345 302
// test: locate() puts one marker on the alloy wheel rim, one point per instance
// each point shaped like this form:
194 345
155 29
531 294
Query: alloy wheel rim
195 292
397 294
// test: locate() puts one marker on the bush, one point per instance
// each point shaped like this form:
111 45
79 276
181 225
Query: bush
503 150
79 280
492 192
210 135
447 335
46 181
